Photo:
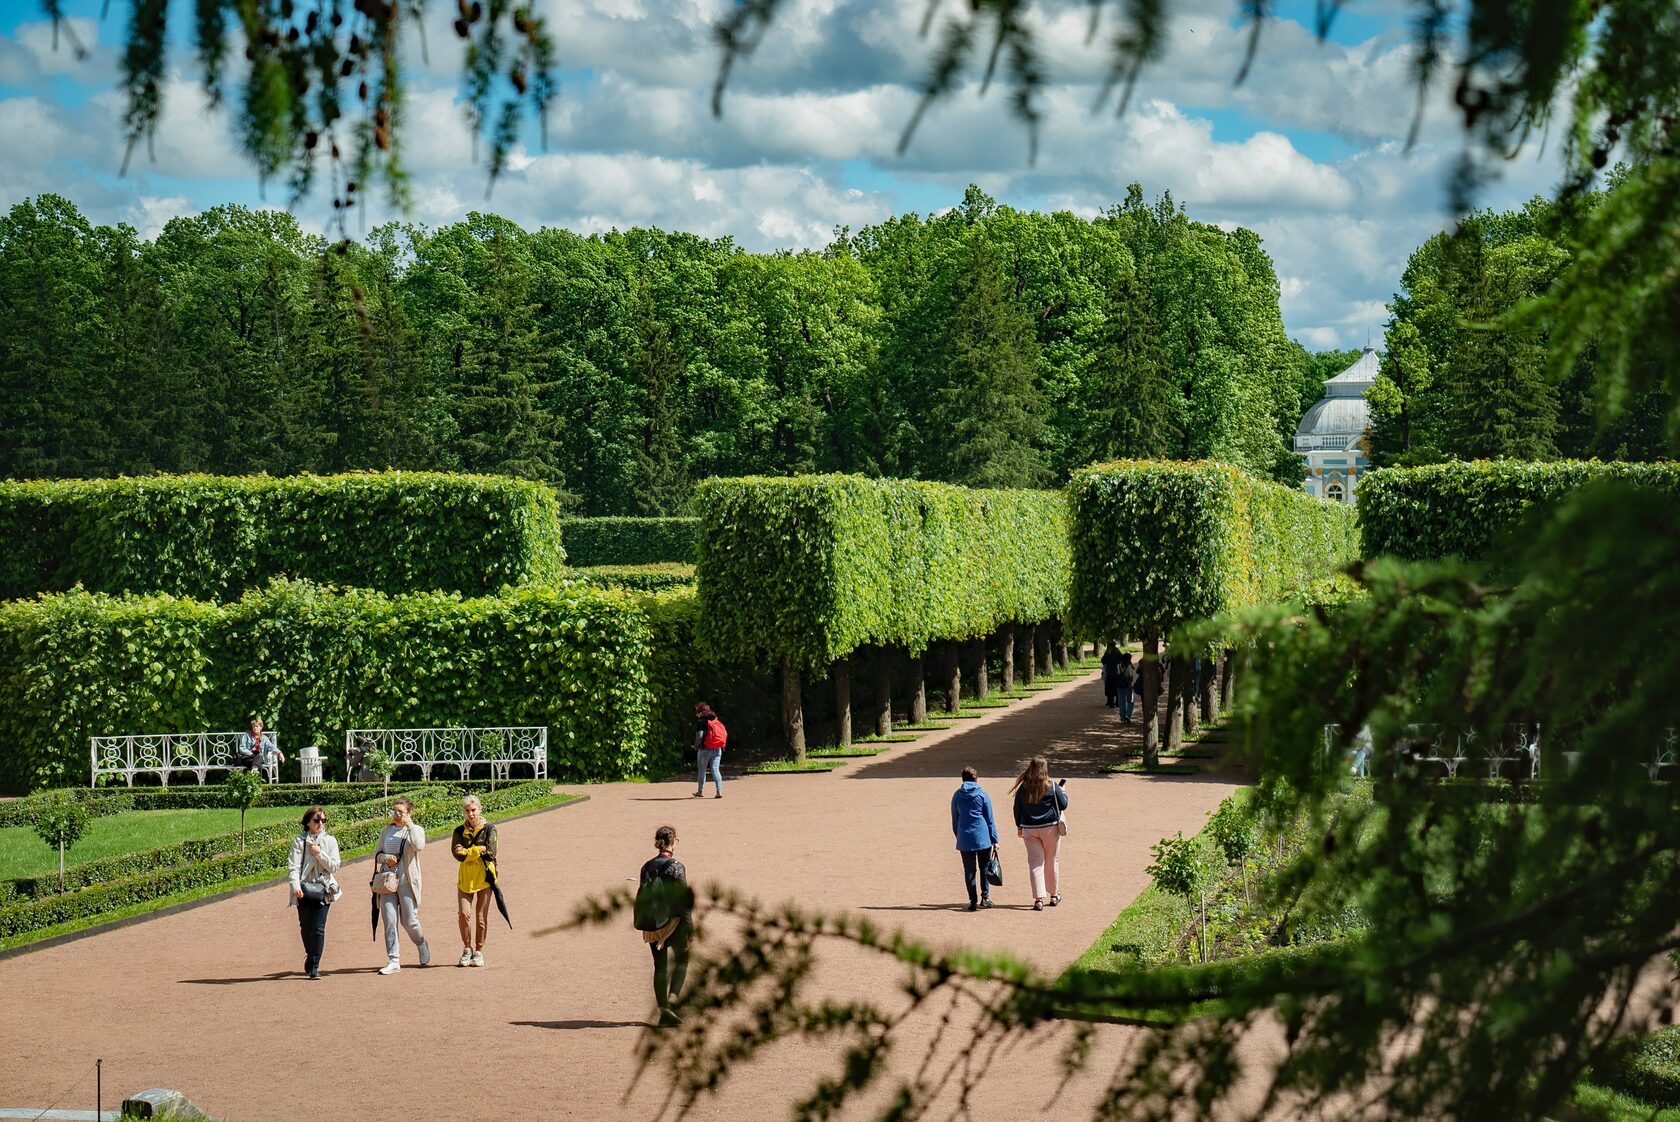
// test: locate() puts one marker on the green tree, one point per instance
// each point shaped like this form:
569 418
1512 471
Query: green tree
61 823
240 792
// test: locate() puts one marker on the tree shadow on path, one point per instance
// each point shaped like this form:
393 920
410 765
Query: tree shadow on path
568 1025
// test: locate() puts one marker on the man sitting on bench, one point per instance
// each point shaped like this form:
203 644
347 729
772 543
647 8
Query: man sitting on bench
256 747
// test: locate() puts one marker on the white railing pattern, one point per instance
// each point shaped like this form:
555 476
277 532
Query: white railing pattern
163 753
1518 743
459 748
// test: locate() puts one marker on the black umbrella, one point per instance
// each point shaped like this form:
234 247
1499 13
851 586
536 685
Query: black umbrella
496 890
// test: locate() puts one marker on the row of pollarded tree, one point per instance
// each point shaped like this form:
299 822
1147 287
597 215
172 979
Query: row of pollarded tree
830 572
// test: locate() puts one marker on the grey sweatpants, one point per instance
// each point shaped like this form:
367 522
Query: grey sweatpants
400 906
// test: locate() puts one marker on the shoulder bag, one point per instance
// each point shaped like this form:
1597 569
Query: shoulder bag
1061 819
313 891
384 881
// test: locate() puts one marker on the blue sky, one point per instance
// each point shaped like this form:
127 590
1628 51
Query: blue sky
1308 152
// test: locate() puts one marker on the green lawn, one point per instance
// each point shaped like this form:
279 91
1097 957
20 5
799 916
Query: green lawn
22 854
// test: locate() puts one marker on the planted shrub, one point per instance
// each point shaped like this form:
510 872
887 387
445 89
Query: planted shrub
663 577
214 537
1646 1067
630 541
1462 510
1182 868
241 789
319 661
61 824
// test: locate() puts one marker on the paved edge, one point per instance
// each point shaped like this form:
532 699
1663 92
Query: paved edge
189 905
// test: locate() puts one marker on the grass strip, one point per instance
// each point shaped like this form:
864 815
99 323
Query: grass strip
895 738
988 703
1186 754
810 763
1161 769
834 752
228 887
1596 1103
930 725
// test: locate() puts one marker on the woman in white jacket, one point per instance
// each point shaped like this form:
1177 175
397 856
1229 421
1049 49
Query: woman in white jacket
310 872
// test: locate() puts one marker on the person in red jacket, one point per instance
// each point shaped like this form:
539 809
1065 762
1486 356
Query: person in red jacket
710 738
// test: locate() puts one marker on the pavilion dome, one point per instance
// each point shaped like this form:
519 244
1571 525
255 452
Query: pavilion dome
1339 419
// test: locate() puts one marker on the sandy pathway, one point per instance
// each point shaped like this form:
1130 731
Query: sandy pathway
206 1001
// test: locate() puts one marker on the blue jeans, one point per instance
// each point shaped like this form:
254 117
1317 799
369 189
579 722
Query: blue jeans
711 759
1127 698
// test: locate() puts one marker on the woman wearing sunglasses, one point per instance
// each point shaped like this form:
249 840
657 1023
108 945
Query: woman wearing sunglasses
309 872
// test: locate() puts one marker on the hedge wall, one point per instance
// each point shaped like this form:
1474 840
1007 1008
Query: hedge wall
213 537
813 567
662 577
1462 510
314 662
435 809
103 801
630 541
1156 543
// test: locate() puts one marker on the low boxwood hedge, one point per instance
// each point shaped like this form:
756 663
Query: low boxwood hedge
101 801
213 537
662 577
435 808
1646 1067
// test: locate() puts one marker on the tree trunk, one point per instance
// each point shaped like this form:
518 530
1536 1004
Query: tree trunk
1042 648
1227 666
1210 689
918 692
1007 631
61 868
1151 699
793 710
953 678
1029 665
1175 702
982 686
1192 688
883 691
843 702
1058 631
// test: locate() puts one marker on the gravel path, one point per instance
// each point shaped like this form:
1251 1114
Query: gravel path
208 1001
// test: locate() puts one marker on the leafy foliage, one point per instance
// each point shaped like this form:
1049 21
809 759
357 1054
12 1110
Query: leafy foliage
1181 867
320 661
1155 544
215 536
813 567
643 578
594 542
1466 510
61 824
241 790
1646 1067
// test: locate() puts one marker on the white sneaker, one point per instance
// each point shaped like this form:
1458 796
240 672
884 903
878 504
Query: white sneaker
466 958
478 958
425 953
391 967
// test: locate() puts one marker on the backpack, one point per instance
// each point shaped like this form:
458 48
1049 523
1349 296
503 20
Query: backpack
716 735
661 897
1128 674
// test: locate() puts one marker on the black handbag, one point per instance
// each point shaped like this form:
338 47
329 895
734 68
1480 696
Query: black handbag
314 893
994 869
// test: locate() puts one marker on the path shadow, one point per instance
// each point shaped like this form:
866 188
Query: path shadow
564 1025
912 907
278 975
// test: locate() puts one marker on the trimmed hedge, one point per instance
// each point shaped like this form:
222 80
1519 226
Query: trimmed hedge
213 537
663 577
434 809
103 801
1646 1067
630 541
317 661
1157 543
813 567
1463 510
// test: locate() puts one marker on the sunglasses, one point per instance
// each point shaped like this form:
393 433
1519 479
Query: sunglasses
317 818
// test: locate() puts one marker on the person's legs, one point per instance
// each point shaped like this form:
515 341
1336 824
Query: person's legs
1051 840
306 925
315 936
390 916
464 917
1035 862
678 943
971 867
411 917
481 909
1127 697
717 771
700 771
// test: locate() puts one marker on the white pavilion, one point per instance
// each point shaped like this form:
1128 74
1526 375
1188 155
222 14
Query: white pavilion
1331 437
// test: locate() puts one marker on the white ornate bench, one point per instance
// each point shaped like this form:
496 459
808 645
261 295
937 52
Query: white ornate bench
164 753
459 748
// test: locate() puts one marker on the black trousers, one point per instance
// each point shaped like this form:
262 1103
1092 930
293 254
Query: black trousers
312 925
974 869
668 984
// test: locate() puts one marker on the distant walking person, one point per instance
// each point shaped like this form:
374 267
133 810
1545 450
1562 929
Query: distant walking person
710 739
309 873
400 843
664 915
976 830
474 846
1111 675
1126 685
256 746
1039 806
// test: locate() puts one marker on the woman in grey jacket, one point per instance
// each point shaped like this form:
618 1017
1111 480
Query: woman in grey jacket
309 872
400 844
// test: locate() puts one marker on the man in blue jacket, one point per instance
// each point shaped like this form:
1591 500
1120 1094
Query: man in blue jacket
971 821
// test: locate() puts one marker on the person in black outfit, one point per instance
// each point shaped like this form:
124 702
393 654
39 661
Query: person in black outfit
664 916
1111 675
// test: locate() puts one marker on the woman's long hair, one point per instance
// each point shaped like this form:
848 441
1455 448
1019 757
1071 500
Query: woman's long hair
1034 779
